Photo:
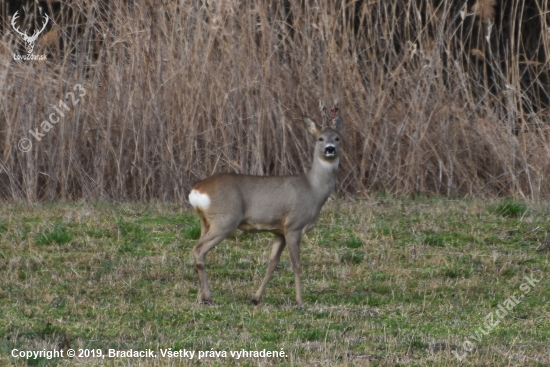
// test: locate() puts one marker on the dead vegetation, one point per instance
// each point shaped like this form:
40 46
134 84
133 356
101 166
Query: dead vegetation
438 97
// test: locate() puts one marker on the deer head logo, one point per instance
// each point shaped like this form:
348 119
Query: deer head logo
29 40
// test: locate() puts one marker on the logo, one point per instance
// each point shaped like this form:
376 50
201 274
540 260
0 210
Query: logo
29 40
25 144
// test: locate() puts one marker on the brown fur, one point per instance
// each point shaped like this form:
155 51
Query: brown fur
287 206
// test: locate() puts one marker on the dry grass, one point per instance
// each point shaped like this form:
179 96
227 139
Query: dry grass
177 90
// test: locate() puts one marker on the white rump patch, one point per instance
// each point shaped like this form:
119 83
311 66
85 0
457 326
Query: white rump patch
198 199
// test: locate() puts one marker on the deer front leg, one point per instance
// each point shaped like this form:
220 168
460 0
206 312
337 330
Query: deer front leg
293 242
278 247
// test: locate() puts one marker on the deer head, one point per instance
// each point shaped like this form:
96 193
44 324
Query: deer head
29 40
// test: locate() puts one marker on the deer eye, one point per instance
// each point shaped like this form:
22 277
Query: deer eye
321 139
337 139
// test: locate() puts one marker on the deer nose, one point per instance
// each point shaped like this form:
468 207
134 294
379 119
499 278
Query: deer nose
330 149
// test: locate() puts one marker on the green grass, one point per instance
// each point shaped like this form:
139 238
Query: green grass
192 231
509 208
386 282
58 234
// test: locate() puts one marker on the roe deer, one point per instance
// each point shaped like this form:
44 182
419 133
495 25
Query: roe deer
287 206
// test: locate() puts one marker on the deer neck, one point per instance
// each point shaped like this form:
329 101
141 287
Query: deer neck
322 176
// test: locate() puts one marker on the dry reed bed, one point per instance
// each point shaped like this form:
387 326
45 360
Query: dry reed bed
435 98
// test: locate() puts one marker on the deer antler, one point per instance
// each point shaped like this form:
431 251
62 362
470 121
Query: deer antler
25 35
324 113
15 16
335 109
35 34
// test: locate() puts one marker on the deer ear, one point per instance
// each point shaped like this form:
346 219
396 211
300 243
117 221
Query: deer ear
311 125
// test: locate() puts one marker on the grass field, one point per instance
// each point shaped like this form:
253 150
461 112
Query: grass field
387 281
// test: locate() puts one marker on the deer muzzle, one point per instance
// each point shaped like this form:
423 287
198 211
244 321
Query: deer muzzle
330 151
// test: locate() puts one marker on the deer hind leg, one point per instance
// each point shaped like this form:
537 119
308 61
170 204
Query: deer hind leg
213 235
278 247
